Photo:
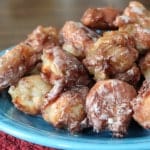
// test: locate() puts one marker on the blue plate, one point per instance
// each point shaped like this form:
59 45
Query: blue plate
34 129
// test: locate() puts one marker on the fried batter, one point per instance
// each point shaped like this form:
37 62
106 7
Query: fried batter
28 94
113 53
141 36
62 70
24 57
141 106
42 37
100 18
134 13
15 63
108 106
68 110
136 21
145 66
77 38
132 76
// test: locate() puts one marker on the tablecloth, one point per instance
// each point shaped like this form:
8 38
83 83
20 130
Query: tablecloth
8 142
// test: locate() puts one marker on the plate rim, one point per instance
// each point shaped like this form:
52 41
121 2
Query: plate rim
13 128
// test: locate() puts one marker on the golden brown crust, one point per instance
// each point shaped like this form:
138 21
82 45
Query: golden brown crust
68 110
113 53
141 36
100 18
15 63
42 37
134 13
108 106
62 70
136 21
77 38
132 75
145 66
28 94
141 106
23 58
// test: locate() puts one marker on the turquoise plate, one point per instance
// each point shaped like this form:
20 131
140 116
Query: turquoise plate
34 129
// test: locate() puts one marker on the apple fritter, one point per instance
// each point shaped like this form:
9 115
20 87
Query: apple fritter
134 13
141 106
27 95
24 57
100 18
141 36
145 66
42 37
16 63
113 53
68 110
77 38
108 106
132 75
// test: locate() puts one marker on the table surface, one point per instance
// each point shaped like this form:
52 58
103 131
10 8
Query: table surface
19 17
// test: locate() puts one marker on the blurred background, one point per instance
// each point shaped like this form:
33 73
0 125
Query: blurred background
19 17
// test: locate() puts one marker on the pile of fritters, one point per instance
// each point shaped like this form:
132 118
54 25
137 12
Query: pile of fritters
77 78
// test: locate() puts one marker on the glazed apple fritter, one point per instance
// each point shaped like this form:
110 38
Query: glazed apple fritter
24 57
16 63
132 75
42 37
136 21
68 110
62 70
77 38
113 53
141 36
27 95
141 106
145 66
100 18
108 106
134 13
